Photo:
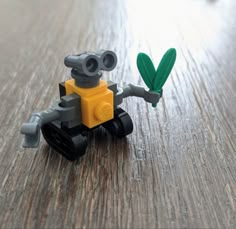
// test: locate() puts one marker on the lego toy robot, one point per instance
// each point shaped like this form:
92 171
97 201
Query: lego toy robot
86 102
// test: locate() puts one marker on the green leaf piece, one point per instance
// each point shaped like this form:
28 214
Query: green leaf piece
146 69
156 79
164 69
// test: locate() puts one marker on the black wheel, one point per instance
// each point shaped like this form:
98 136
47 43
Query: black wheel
121 125
68 142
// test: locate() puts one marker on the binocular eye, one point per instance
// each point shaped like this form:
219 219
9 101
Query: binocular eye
109 60
91 63
87 64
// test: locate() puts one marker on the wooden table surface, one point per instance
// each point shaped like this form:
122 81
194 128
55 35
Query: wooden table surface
176 170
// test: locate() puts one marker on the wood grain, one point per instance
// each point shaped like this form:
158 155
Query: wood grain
176 170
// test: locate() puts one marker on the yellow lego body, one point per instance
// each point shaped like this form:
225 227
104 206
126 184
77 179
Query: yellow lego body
96 103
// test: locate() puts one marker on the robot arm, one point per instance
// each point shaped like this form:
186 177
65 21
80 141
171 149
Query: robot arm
67 110
132 90
31 129
148 96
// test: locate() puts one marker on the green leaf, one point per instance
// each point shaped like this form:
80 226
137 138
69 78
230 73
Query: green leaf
146 69
164 69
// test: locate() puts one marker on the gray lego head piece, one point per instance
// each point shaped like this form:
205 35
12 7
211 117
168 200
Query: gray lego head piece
90 63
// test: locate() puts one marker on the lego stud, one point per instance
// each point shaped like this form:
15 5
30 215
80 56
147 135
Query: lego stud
86 63
108 60
103 111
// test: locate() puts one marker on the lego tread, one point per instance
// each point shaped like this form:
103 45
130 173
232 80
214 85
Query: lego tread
177 168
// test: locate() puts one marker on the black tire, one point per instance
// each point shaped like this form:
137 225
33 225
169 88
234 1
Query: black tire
121 125
68 142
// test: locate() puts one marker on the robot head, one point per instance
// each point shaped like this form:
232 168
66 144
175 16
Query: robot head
90 63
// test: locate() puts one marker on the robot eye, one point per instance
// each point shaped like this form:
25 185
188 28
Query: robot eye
86 63
108 61
92 65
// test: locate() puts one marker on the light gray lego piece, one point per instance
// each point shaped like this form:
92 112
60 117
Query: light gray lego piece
112 86
148 96
132 90
87 67
118 97
72 100
84 81
108 59
86 63
31 130
117 92
70 112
